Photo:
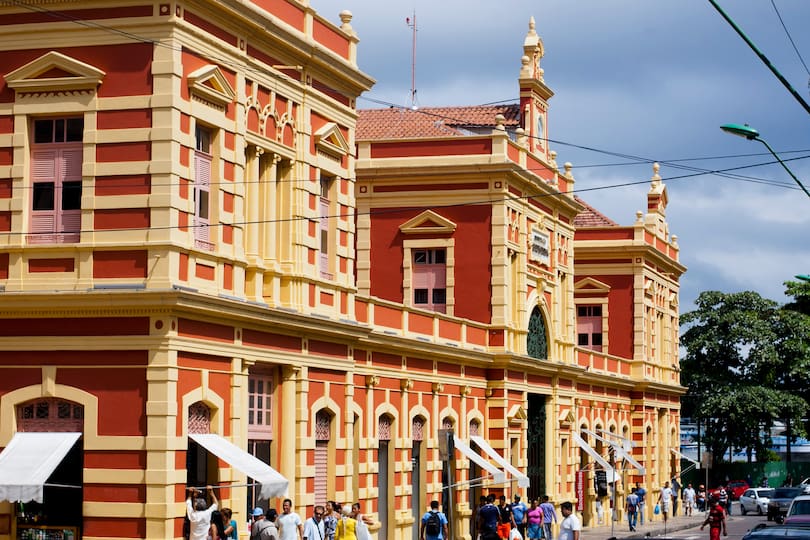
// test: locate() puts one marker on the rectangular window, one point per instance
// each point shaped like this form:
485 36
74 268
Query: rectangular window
203 161
430 279
260 407
323 226
56 180
589 327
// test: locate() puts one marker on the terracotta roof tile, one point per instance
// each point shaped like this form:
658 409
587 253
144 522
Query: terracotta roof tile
591 217
395 123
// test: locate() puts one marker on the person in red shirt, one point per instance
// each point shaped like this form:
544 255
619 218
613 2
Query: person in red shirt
716 520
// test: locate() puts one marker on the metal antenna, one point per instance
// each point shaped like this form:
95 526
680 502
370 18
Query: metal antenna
411 22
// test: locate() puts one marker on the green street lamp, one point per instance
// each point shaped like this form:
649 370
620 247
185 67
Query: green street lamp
746 131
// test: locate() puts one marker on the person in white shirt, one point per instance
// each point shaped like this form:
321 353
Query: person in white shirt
198 515
570 526
665 500
290 526
314 528
688 500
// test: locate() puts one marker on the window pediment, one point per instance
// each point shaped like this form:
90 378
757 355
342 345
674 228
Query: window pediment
428 222
591 285
53 72
209 84
329 139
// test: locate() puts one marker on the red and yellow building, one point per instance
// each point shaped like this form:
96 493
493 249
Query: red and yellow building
203 242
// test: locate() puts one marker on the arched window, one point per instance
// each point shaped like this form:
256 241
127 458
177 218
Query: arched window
537 344
323 434
50 414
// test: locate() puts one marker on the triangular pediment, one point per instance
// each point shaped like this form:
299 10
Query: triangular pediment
330 140
52 72
566 417
210 84
591 285
428 222
517 415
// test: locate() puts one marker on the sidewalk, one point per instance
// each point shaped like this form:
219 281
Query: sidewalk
621 530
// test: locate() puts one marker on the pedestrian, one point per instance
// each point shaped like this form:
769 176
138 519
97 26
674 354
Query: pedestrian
716 520
199 513
519 515
315 528
788 481
507 522
676 493
230 524
489 517
665 501
290 526
570 526
347 525
534 521
549 514
688 500
631 506
330 519
434 524
217 529
722 497
701 498
264 526
356 514
642 504
729 499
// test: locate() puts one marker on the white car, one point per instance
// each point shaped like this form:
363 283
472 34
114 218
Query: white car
755 500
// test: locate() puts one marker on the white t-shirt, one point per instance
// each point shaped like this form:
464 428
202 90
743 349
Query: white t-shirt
568 526
314 531
200 520
689 494
288 526
666 499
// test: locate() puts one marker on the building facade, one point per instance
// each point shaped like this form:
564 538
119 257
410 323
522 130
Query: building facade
209 255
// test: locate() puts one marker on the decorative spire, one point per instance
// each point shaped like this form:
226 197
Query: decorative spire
533 50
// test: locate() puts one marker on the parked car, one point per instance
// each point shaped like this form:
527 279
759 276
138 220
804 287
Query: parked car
799 511
737 488
755 500
772 532
780 502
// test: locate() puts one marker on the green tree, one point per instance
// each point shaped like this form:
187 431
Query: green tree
745 366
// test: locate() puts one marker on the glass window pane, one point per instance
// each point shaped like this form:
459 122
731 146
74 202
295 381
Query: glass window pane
59 131
582 311
75 129
420 257
43 131
440 256
71 195
597 311
43 196
439 296
420 296
202 204
582 340
596 339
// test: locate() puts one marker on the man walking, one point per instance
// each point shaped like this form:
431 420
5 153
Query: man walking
290 526
489 517
688 500
263 527
315 528
570 526
549 514
434 524
519 515
632 508
676 492
641 492
716 520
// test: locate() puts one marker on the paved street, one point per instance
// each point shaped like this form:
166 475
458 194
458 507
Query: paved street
678 527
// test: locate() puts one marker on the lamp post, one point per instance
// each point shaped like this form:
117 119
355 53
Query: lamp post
746 131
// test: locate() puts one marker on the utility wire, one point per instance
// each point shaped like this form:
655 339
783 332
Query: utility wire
779 15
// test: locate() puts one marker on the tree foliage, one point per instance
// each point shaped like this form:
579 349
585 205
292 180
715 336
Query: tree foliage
746 365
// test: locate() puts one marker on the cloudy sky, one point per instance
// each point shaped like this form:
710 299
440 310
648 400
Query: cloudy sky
635 81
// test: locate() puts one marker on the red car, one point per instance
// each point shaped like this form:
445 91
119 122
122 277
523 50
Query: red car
734 487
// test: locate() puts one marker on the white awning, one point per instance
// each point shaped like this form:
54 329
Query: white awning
273 484
594 454
522 479
498 476
621 450
681 456
28 461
